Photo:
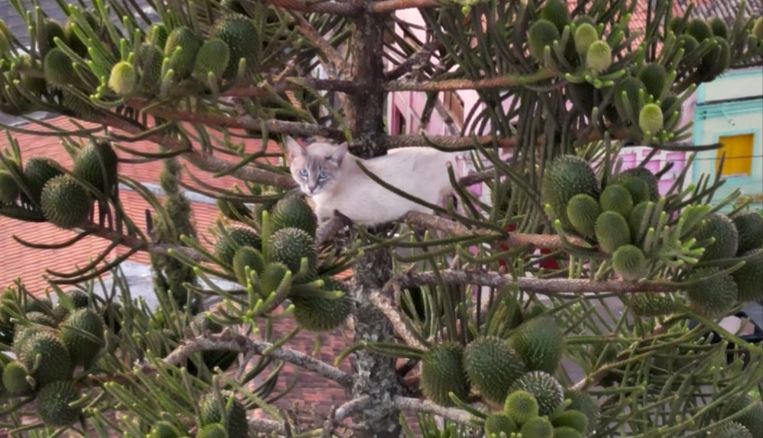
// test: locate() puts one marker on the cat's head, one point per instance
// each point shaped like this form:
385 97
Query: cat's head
315 167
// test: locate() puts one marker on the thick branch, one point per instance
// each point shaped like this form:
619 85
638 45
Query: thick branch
548 241
266 426
550 286
457 143
499 82
140 244
398 323
414 404
242 344
387 6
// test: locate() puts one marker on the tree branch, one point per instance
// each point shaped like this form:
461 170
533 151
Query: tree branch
387 6
498 82
550 286
414 404
342 412
266 426
202 161
398 323
242 344
548 241
456 143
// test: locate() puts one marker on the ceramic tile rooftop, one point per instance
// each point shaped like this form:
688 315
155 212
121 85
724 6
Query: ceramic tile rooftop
17 261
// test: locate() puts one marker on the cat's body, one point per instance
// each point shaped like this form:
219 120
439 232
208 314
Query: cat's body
331 177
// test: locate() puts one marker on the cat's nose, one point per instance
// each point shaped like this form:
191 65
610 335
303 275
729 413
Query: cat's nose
312 188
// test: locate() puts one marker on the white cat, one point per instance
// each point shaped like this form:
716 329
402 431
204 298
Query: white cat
329 175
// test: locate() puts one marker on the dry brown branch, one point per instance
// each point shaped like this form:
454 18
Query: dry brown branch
499 82
227 340
342 412
548 241
260 425
454 142
387 6
549 286
398 322
418 405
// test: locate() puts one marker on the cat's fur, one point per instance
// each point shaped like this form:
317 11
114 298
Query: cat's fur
329 175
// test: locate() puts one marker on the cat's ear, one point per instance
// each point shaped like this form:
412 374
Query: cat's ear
338 154
293 148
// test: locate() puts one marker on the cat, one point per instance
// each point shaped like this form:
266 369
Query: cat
329 175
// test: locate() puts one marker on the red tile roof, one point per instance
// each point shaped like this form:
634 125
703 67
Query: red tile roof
17 261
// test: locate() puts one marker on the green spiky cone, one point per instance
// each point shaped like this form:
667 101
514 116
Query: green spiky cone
637 187
643 174
232 239
289 246
749 231
58 70
293 211
582 211
247 257
669 104
41 318
189 43
731 429
599 56
651 304
97 163
242 38
688 43
53 404
521 406
164 429
629 87
540 343
9 190
582 402
548 392
556 11
612 231
653 76
566 432
82 334
497 423
233 209
215 430
749 278
542 33
47 34
650 118
722 229
72 40
719 28
123 79
442 372
54 361
79 299
158 35
616 198
757 28
716 61
213 58
629 261
236 423
713 296
492 367
65 203
538 427
148 62
699 29
752 414
14 378
585 35
322 314
571 418
564 178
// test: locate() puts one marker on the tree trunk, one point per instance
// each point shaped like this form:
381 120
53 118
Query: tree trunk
374 374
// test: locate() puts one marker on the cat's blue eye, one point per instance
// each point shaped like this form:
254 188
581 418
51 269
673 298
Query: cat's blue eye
323 175
303 173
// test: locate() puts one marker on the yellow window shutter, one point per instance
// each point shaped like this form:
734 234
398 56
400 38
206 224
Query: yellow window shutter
738 150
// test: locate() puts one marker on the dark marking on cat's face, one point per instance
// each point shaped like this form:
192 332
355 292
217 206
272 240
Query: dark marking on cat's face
315 167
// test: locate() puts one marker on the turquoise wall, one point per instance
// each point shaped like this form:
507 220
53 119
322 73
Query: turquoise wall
730 105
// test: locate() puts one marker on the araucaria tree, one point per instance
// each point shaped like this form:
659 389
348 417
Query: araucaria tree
577 299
